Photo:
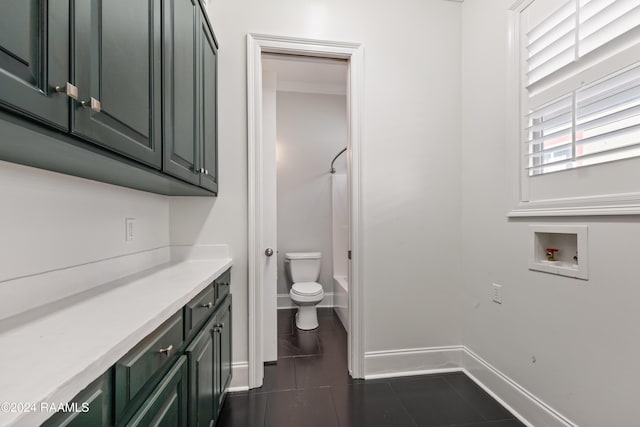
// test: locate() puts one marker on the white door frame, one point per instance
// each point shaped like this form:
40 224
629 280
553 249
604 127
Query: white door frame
353 53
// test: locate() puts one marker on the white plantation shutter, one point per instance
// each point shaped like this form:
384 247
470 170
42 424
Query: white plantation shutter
603 20
551 43
581 74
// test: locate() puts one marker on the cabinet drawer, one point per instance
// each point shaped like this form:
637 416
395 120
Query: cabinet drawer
199 310
146 359
223 284
167 405
91 407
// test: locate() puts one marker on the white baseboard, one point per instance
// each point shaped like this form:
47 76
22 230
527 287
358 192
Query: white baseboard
529 408
412 361
285 302
523 404
240 377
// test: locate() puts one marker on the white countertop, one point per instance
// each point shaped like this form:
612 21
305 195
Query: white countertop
54 355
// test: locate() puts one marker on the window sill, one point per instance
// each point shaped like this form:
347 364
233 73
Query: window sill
622 204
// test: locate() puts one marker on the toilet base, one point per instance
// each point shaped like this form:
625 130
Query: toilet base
307 317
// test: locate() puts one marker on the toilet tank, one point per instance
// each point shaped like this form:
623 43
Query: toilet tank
303 266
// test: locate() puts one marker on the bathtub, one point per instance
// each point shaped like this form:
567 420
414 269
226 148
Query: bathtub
341 299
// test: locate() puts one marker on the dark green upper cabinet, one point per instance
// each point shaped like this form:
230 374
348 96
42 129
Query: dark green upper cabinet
117 91
34 59
116 68
181 156
208 108
190 95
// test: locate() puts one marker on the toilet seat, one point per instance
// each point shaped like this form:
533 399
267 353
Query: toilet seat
306 289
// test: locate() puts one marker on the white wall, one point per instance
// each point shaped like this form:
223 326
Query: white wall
50 221
340 221
410 158
311 129
583 334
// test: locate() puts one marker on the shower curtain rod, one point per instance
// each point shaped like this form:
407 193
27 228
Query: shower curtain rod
333 170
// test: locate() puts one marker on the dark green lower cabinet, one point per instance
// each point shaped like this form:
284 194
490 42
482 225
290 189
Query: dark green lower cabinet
167 405
92 407
164 380
223 285
210 367
223 325
135 372
202 408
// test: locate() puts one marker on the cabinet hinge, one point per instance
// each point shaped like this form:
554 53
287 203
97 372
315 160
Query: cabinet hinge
349 254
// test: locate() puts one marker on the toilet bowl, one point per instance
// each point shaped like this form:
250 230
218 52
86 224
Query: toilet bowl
306 295
303 269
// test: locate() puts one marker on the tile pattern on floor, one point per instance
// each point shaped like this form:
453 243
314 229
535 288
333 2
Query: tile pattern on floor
310 386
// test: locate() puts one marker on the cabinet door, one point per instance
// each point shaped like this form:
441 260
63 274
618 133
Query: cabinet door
225 350
201 376
34 59
179 90
93 407
209 108
167 405
117 66
222 342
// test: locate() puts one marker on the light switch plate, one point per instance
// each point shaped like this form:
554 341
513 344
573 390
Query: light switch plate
497 293
129 229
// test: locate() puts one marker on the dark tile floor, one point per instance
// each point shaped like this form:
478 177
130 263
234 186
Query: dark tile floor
310 386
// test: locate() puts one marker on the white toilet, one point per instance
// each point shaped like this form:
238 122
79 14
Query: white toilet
303 269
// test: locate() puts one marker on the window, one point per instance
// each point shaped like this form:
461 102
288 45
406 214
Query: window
578 65
599 123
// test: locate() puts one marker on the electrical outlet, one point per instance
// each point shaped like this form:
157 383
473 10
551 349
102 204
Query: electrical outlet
497 293
129 229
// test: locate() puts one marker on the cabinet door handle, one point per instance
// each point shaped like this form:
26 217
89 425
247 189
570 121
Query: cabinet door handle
68 89
208 305
167 350
93 103
206 172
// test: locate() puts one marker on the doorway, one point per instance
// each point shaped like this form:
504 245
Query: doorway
262 237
